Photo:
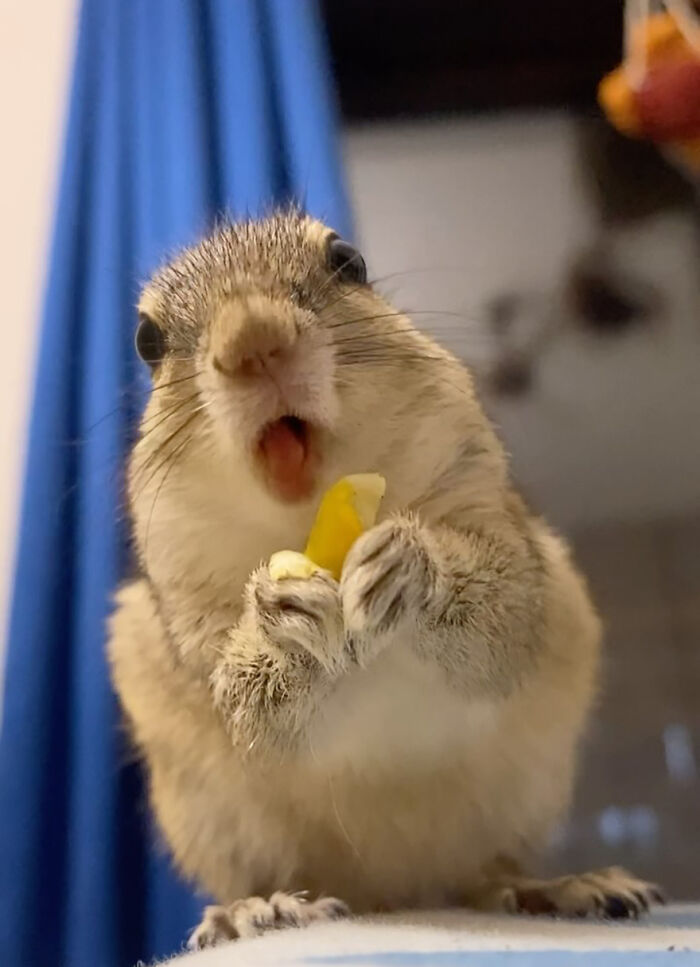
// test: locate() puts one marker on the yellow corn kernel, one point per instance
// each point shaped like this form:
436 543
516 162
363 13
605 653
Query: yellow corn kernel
347 509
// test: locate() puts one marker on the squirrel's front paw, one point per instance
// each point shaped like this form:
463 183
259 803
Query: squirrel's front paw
388 576
301 613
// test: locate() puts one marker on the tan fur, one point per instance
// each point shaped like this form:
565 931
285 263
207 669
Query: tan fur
391 752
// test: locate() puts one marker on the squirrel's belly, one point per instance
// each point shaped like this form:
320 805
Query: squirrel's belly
406 788
398 713
416 789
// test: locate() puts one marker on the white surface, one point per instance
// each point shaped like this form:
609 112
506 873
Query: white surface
455 932
36 43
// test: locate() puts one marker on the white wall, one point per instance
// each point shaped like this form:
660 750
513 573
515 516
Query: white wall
472 208
36 42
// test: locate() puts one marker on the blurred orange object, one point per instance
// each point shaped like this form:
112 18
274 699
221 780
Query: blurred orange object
655 93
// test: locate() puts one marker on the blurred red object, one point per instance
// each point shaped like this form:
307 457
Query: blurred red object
668 101
655 92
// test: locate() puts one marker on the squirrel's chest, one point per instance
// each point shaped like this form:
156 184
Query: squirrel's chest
399 710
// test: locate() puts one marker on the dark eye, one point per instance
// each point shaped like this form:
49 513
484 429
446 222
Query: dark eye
345 262
150 342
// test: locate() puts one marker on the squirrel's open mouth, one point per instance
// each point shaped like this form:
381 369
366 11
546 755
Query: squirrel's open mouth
285 451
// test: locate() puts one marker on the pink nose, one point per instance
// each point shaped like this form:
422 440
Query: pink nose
253 338
257 364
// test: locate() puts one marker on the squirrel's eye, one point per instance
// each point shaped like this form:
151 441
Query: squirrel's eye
345 262
150 342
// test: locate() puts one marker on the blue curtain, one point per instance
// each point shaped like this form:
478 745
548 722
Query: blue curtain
180 109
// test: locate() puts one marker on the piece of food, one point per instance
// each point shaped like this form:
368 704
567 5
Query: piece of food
619 102
655 94
668 102
347 509
291 564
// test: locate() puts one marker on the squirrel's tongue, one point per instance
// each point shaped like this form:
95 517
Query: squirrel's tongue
283 447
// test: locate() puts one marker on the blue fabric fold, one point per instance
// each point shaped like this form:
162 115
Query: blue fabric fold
180 110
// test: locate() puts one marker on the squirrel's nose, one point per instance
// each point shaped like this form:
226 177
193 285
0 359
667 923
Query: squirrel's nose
252 337
258 364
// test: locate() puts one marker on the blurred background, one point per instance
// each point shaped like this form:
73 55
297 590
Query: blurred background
564 260
560 261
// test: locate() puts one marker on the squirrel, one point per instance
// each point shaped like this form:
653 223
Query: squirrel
405 737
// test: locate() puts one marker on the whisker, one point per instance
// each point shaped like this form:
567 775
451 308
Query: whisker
168 413
179 449
133 389
379 338
392 360
405 313
345 294
329 281
341 825
341 323
150 459
392 353
174 382
351 289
